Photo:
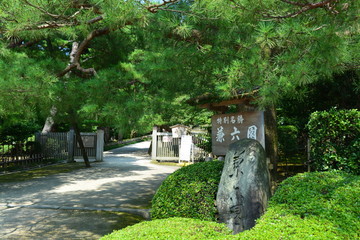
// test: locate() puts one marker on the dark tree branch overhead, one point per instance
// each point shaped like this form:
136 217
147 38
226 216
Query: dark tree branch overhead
307 6
295 3
237 5
59 16
22 44
62 20
155 7
75 62
42 10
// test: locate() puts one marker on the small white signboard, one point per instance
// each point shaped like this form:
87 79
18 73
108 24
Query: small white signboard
167 139
185 148
178 131
88 141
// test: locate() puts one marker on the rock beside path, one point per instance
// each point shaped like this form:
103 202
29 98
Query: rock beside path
244 188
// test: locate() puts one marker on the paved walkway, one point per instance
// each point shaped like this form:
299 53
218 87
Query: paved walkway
83 204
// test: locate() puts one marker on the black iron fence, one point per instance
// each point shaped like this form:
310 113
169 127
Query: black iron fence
19 154
53 145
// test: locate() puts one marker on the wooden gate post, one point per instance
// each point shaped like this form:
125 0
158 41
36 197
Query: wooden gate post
99 145
70 145
154 144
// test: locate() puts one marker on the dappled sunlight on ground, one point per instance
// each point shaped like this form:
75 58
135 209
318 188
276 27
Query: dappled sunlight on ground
61 224
125 181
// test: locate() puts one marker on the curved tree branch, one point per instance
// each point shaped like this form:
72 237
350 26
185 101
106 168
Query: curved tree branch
61 20
306 7
78 50
155 7
42 10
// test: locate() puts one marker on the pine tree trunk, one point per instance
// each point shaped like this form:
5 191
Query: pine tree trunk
271 140
49 123
81 144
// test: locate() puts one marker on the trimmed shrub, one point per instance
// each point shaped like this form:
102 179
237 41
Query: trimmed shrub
171 228
335 140
189 192
320 205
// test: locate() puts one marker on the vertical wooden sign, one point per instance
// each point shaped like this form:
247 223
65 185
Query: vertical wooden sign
228 128
185 148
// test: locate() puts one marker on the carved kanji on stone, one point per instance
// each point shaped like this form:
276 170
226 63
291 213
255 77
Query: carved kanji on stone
244 187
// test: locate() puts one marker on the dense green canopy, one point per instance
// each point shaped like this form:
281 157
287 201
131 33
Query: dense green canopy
135 63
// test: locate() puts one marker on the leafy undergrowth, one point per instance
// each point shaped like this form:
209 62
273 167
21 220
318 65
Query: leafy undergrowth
41 172
319 205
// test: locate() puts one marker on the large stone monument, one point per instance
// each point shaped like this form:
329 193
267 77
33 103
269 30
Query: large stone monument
244 188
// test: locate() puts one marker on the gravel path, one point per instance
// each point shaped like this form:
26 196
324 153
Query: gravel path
86 203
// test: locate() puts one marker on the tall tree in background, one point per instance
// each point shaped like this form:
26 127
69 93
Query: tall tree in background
69 27
107 59
282 46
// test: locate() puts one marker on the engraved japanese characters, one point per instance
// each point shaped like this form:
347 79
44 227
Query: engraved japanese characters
244 187
228 128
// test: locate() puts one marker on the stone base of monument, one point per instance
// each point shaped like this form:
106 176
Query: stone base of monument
244 188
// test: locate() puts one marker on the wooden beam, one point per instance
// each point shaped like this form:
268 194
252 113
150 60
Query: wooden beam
210 106
223 105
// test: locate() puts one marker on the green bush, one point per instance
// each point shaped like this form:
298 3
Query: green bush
319 205
189 192
171 228
335 140
17 132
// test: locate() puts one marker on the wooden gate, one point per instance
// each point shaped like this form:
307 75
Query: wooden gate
89 140
54 145
166 147
63 145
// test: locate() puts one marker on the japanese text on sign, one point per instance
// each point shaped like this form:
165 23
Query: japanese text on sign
228 128
235 134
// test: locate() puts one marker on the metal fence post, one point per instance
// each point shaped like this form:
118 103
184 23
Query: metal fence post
154 142
99 145
70 145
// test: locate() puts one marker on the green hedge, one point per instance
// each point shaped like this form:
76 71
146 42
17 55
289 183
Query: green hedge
189 192
335 140
319 205
171 228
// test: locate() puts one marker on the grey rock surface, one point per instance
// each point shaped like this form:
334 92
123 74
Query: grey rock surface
244 188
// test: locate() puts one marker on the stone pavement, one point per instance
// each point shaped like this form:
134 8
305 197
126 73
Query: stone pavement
86 203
